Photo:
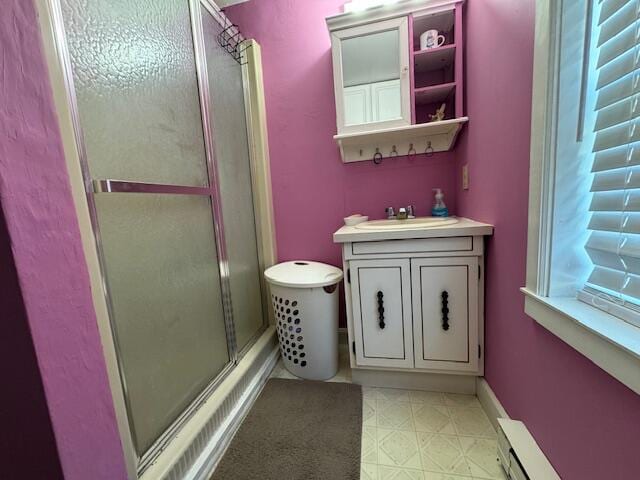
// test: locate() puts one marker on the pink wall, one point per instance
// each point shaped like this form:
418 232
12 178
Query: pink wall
27 448
586 422
312 189
40 216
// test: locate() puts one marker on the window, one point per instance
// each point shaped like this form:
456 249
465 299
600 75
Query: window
614 239
583 260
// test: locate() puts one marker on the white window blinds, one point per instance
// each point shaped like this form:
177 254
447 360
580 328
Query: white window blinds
614 242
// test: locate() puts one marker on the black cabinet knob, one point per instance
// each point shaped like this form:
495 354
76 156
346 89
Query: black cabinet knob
380 296
445 310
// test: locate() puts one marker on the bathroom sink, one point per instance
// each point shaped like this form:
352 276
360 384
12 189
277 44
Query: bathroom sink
409 224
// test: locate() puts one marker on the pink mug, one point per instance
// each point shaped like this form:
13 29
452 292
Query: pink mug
431 39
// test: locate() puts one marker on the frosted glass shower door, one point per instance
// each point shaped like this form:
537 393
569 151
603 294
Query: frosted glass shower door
229 126
153 201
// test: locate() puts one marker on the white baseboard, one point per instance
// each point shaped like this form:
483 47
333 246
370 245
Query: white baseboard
343 336
434 382
490 403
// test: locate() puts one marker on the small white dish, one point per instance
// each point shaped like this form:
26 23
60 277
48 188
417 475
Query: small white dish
352 220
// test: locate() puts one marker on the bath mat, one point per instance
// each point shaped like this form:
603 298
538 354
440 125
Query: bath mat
298 430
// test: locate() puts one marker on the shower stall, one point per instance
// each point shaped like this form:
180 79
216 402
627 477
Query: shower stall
157 93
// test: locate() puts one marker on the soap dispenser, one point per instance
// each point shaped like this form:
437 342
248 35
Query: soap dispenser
439 208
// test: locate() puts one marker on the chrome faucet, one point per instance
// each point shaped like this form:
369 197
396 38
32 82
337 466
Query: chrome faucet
403 213
391 213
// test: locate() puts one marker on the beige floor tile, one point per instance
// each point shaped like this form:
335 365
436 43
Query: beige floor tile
398 448
368 471
442 454
394 415
460 400
443 476
482 458
369 449
368 411
421 396
280 371
392 451
471 422
340 377
369 393
432 418
395 473
393 394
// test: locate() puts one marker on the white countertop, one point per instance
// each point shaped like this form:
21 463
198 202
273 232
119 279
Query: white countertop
464 228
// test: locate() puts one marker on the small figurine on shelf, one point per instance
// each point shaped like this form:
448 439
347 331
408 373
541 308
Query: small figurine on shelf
439 115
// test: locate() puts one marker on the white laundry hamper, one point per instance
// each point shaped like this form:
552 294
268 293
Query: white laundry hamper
304 296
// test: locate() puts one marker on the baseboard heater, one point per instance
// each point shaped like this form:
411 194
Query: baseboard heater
519 454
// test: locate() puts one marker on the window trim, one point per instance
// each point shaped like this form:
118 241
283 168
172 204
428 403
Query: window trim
606 340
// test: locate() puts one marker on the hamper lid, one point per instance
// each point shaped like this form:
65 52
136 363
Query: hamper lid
303 274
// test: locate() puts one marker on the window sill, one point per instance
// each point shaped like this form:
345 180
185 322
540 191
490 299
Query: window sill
607 341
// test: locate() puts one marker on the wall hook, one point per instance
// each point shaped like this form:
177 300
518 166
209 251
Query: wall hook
377 157
412 151
394 152
429 149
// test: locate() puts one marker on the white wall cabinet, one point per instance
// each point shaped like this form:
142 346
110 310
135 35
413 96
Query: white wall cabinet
371 76
416 304
379 45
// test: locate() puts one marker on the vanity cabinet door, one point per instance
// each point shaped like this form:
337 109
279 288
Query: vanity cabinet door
445 313
381 301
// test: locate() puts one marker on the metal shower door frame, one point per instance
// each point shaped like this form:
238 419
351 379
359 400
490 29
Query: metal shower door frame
106 186
201 63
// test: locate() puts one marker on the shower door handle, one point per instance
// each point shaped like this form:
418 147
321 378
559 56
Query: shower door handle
119 186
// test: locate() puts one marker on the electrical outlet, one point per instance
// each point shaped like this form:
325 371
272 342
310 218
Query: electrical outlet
465 177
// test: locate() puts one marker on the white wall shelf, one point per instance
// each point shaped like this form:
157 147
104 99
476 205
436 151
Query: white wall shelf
360 147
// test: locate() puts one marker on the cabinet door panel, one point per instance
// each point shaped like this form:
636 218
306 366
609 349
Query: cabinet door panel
386 101
357 104
445 322
382 284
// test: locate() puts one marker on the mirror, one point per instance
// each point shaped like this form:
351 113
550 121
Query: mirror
371 77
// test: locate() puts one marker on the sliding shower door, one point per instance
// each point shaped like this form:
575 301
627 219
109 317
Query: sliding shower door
229 123
176 235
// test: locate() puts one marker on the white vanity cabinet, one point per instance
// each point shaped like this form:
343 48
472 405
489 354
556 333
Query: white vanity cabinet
416 304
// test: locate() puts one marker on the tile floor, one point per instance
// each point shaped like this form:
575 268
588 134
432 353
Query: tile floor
417 435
